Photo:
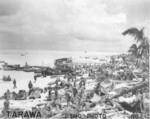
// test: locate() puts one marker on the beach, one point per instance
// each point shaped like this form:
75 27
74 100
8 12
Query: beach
88 64
40 58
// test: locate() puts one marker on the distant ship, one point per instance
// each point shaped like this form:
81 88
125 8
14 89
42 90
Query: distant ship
23 54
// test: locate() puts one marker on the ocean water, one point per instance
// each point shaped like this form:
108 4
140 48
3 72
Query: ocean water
44 57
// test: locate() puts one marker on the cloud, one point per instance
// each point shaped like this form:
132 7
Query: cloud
9 7
82 19
77 24
11 40
136 10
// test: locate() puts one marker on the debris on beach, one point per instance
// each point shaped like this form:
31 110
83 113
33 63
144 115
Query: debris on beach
112 91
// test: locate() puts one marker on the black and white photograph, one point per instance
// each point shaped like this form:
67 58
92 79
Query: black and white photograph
74 59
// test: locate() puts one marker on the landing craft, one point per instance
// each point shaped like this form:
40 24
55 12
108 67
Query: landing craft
64 65
61 66
10 67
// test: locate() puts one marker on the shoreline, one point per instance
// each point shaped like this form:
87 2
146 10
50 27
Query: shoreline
84 69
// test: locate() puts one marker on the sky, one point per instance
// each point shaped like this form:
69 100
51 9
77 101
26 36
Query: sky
71 25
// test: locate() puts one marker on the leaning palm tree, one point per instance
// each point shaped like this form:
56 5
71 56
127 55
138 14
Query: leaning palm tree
143 47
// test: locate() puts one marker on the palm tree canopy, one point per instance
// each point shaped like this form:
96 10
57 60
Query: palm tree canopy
138 34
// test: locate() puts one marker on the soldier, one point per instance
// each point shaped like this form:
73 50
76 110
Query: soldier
74 82
82 82
14 83
6 107
35 79
30 86
57 82
56 94
68 97
49 94
99 90
7 94
74 91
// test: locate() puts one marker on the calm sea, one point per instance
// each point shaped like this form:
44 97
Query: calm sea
44 57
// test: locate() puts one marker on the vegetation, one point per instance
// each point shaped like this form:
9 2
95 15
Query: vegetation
141 50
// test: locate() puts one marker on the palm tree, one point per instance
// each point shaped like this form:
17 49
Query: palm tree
143 47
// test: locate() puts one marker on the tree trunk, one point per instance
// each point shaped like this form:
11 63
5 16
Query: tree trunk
138 86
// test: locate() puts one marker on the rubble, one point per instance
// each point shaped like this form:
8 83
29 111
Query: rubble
111 88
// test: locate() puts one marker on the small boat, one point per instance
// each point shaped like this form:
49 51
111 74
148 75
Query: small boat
22 54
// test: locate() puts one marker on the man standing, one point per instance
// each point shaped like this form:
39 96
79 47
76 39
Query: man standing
14 83
35 79
30 86
49 94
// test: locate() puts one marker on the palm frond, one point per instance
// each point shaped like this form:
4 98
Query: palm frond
131 31
138 34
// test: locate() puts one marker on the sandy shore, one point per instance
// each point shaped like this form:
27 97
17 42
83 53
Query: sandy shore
23 78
